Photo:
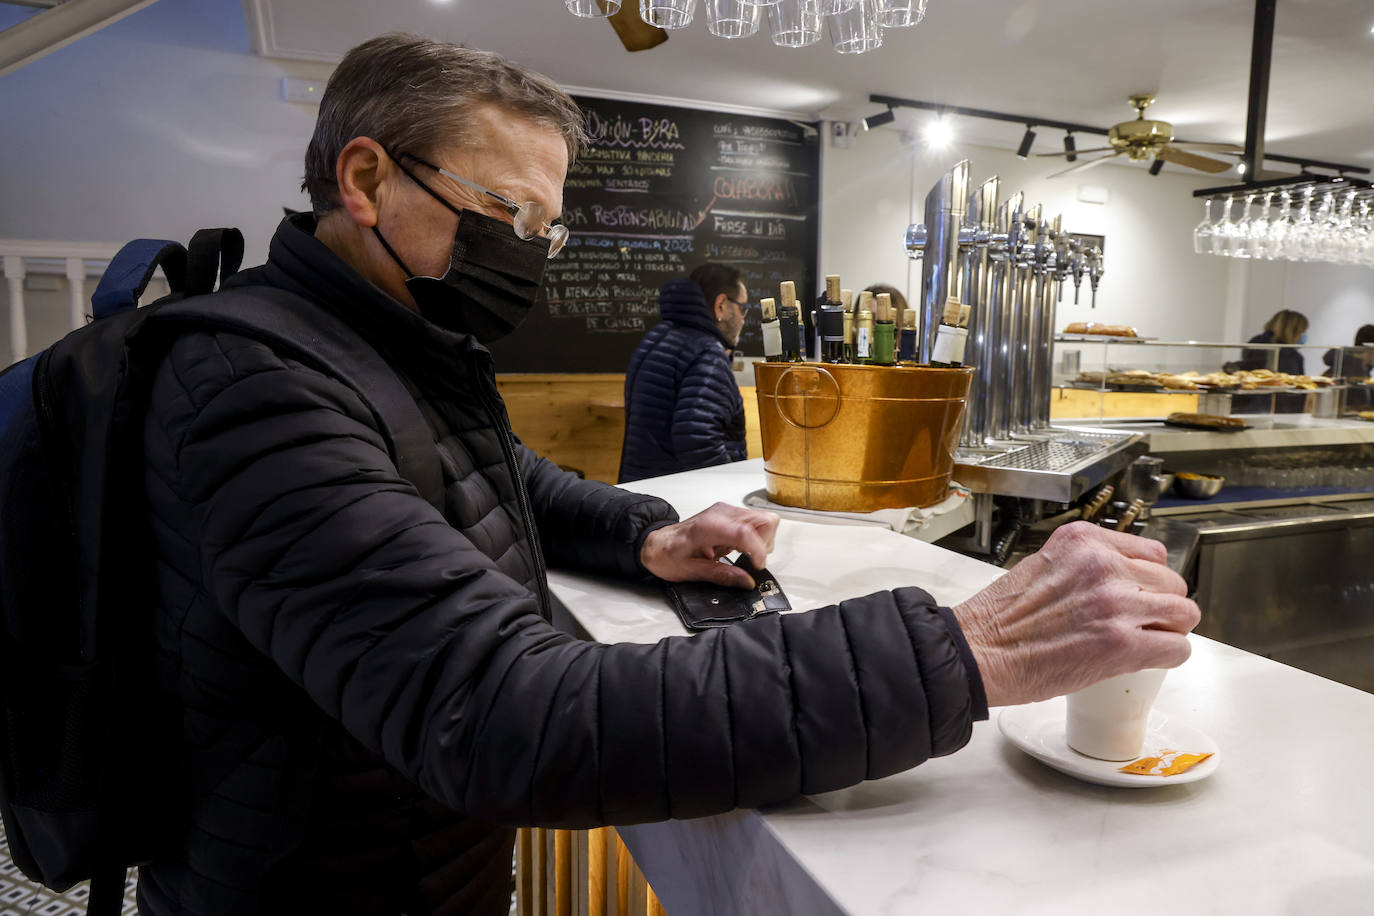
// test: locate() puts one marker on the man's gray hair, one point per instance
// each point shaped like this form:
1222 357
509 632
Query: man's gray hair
416 95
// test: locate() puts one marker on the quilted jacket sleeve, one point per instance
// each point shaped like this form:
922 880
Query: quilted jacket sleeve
389 619
706 403
586 524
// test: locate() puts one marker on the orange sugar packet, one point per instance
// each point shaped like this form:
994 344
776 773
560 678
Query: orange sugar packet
1168 763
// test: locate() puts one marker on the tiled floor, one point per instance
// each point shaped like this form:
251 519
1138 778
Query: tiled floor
21 897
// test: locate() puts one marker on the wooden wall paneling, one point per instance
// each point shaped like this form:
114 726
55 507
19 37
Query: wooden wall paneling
576 421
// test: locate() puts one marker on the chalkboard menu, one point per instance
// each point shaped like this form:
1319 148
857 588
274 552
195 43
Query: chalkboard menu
656 192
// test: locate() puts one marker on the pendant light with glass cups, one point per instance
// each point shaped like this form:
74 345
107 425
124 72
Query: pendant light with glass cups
858 30
732 18
856 26
667 14
593 9
795 23
900 14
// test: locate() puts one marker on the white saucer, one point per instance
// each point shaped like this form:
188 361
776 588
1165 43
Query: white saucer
1038 729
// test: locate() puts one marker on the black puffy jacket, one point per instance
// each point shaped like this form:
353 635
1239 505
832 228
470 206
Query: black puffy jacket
370 693
682 406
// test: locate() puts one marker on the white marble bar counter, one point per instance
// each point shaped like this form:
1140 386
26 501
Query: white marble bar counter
1284 826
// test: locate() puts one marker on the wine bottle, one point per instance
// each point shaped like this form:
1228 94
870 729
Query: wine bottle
906 348
789 322
831 322
949 338
883 331
847 303
863 329
772 331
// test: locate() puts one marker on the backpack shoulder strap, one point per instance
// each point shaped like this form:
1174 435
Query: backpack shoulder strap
311 334
124 281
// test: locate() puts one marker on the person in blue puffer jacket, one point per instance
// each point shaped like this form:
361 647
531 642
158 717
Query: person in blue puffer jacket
682 406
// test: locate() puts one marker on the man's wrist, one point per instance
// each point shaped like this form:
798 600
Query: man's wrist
642 544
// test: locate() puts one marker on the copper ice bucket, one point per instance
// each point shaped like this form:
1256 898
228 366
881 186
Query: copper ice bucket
859 438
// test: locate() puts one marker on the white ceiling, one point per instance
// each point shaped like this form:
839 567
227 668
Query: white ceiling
1070 60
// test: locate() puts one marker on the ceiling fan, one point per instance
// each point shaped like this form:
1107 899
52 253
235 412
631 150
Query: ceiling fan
1143 139
635 34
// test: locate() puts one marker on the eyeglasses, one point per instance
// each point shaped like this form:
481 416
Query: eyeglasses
529 216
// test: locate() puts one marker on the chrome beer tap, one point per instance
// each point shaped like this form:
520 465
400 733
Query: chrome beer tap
1094 270
1078 267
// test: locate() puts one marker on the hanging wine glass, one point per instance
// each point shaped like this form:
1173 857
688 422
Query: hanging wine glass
1295 246
1222 229
1203 231
1257 232
1275 244
1237 235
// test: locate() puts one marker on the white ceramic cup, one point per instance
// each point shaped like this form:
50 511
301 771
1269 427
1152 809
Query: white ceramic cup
1108 719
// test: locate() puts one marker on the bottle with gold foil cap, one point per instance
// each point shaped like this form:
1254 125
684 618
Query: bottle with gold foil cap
883 331
863 329
772 331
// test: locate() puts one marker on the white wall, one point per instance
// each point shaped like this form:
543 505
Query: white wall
160 124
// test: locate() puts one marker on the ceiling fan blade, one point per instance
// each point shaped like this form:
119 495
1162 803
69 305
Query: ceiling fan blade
1096 149
1208 147
1079 166
1189 160
635 34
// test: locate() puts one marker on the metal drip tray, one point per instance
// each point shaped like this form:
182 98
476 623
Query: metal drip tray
1059 467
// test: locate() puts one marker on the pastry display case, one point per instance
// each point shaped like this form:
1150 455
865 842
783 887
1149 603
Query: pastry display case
1101 378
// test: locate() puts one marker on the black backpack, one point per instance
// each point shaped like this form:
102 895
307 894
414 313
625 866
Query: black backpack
88 752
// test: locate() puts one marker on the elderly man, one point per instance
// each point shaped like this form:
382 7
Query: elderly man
683 409
369 692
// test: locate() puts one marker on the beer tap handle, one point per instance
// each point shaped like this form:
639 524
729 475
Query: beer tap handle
916 238
1094 270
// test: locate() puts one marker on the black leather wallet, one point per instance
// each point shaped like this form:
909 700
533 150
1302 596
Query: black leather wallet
704 605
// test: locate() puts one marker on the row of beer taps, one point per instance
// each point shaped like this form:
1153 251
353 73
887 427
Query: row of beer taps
1032 243
1009 263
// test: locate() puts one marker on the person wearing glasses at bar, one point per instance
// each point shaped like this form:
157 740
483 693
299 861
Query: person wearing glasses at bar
683 408
367 691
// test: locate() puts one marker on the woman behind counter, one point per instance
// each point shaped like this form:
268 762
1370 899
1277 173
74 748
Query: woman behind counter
1286 327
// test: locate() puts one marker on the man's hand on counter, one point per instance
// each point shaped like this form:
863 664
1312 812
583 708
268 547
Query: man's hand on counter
689 550
1089 605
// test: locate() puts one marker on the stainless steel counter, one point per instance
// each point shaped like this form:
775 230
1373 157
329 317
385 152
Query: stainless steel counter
1290 582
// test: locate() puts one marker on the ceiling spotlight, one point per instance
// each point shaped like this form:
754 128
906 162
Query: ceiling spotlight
1070 151
1157 166
1023 150
1240 167
879 119
939 133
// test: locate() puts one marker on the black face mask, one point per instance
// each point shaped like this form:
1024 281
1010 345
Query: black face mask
493 279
